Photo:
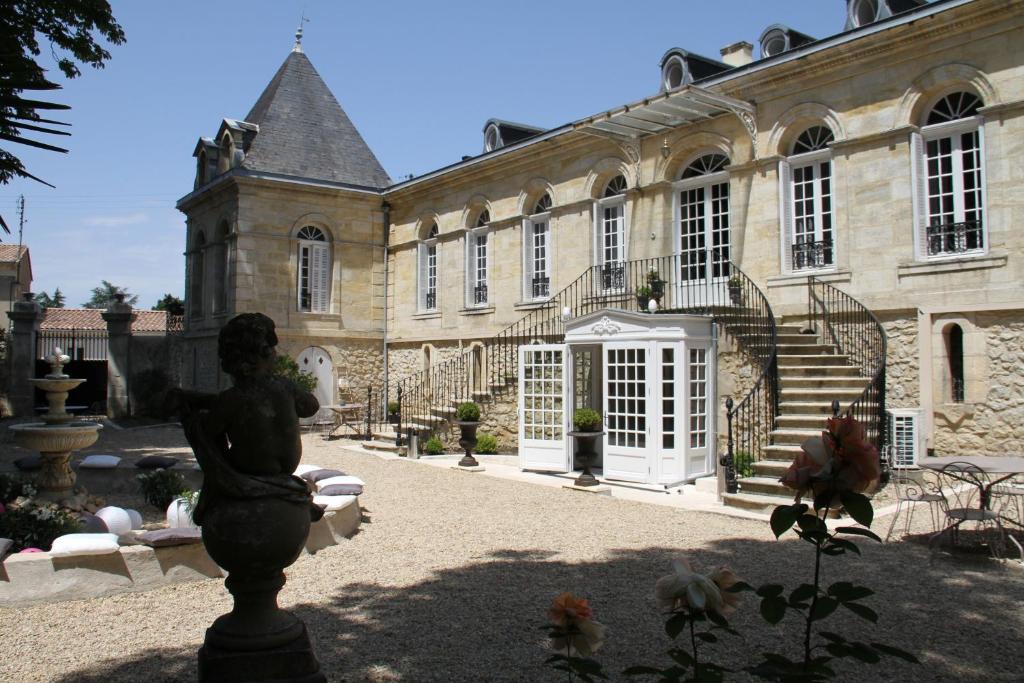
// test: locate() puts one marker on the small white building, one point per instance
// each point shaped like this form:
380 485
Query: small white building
650 376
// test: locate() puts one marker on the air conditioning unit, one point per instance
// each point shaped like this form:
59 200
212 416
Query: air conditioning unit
904 437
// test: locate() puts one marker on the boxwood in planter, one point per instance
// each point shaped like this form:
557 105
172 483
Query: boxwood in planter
586 420
467 412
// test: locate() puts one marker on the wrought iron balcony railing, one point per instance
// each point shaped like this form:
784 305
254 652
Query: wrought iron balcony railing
480 294
613 275
541 286
812 254
430 302
955 238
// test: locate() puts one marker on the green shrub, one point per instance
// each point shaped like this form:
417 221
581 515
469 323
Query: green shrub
486 444
160 487
433 446
35 526
468 412
586 420
12 487
392 407
288 368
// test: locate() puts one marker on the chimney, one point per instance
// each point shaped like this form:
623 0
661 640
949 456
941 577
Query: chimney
738 54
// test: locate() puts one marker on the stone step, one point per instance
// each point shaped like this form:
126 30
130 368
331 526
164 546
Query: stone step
765 486
781 452
805 408
795 339
842 394
787 371
427 420
814 349
754 502
446 412
782 437
388 447
800 382
805 359
815 423
771 468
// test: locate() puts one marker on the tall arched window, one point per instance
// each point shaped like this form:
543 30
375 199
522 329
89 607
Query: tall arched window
806 202
314 272
949 183
610 233
220 270
702 211
477 262
196 275
427 268
537 251
955 357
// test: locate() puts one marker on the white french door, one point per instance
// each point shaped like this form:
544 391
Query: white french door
699 399
543 395
627 428
702 212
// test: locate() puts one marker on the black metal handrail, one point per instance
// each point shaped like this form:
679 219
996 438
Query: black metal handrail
856 332
678 283
955 238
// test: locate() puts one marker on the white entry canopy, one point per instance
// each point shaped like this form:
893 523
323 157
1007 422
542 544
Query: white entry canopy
617 325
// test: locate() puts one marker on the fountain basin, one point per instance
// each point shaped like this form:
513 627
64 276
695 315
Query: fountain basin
64 384
56 438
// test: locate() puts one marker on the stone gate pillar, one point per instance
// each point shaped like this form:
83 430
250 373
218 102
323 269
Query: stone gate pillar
25 316
119 322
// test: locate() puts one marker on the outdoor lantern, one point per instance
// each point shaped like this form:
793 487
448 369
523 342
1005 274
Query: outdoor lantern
566 314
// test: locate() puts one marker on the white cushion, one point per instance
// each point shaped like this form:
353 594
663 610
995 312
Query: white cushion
302 469
135 518
332 503
347 479
117 519
84 544
100 462
178 515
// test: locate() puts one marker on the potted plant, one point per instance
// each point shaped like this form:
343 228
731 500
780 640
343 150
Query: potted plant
587 425
656 284
735 289
467 416
643 297
393 412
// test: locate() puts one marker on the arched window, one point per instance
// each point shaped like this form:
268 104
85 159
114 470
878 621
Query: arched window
807 198
863 12
949 188
196 276
314 271
219 277
702 210
427 268
610 233
477 262
955 357
537 251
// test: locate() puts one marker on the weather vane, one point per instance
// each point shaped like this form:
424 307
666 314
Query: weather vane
298 33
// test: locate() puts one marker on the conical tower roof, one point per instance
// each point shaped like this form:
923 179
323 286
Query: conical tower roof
304 132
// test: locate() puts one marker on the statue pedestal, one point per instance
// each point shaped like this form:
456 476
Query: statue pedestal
292 662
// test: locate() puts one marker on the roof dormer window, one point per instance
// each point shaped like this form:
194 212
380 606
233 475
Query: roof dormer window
674 73
863 12
774 42
492 140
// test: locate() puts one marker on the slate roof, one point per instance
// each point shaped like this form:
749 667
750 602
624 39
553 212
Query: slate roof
9 253
304 132
92 319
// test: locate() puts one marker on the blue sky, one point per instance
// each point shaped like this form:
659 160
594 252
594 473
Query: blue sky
418 80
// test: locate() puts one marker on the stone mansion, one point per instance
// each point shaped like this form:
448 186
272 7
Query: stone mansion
865 186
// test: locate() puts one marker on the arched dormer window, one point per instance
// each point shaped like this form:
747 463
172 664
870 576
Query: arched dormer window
807 202
201 169
863 12
537 251
610 232
426 298
673 74
196 275
314 271
702 217
226 158
477 262
949 184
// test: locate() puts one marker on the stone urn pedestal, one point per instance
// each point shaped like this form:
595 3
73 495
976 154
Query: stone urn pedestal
254 540
467 439
585 452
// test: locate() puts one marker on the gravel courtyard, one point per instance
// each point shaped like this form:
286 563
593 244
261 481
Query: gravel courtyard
451 574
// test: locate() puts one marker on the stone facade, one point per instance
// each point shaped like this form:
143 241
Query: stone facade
903 387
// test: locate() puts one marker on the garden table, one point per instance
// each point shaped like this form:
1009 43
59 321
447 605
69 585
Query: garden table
997 470
344 413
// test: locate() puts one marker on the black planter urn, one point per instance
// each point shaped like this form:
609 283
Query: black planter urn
467 440
585 452
657 286
735 293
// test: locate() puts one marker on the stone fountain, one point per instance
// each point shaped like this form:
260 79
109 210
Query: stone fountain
59 434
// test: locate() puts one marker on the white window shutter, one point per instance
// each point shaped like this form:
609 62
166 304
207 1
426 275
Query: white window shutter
320 279
903 438
470 269
919 193
786 215
421 277
984 191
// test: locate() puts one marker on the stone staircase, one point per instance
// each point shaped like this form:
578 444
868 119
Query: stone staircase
811 376
383 437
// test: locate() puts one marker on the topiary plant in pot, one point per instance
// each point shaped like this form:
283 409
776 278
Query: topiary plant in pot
467 416
587 425
393 412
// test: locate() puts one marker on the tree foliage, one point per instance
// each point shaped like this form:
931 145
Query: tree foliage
56 301
287 367
72 28
104 294
170 303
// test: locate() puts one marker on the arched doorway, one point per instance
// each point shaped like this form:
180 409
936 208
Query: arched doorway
317 362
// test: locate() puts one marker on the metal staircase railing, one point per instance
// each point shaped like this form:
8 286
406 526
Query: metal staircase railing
856 332
679 284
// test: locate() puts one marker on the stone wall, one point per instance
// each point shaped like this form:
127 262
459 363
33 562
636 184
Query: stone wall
737 374
357 363
994 426
903 364
154 368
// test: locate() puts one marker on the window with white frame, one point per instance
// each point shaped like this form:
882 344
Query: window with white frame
949 179
427 272
610 218
702 210
314 270
806 198
476 262
537 252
